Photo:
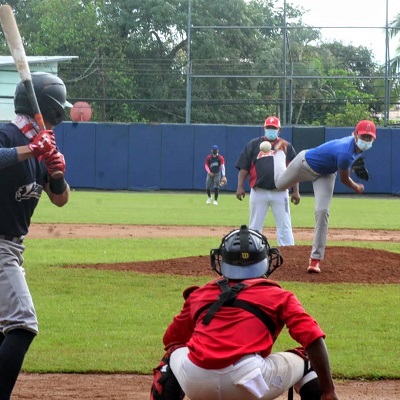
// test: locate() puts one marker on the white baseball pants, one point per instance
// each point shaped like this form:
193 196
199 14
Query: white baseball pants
252 377
278 200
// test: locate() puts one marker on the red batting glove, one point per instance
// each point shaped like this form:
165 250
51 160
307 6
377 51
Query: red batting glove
55 163
43 142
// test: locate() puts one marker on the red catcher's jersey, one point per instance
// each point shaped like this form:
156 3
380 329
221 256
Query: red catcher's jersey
234 332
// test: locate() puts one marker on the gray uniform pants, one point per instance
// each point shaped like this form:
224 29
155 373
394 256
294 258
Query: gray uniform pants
16 306
323 185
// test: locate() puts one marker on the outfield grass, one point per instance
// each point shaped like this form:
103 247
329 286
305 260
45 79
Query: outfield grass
111 321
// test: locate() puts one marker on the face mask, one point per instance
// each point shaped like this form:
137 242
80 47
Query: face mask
363 145
271 134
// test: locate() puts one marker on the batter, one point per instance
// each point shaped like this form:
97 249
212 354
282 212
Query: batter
28 160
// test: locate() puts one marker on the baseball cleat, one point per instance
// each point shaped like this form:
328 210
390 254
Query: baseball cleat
208 200
215 202
314 266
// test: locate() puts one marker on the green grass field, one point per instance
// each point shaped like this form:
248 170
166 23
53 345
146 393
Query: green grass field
107 321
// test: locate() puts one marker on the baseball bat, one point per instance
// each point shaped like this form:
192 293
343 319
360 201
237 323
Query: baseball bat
17 49
14 41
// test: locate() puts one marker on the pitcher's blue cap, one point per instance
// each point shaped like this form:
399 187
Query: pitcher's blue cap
215 147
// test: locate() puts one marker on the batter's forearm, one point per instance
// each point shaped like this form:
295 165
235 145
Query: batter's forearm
58 199
13 155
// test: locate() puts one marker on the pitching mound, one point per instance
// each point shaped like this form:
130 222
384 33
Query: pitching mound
342 264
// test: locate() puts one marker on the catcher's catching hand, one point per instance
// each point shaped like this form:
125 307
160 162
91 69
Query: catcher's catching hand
223 181
360 169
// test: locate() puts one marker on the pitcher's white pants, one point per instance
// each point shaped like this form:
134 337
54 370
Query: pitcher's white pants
278 200
323 185
252 377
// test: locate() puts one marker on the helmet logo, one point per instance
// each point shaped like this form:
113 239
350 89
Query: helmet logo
245 256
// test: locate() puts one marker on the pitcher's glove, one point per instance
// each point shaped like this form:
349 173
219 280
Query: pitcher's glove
223 181
360 169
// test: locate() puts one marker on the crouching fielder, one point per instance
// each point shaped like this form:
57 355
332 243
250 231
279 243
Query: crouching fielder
219 347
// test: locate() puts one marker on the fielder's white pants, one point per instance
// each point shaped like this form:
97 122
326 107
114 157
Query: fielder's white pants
252 377
260 201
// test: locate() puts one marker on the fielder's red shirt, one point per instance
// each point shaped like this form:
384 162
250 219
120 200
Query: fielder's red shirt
234 332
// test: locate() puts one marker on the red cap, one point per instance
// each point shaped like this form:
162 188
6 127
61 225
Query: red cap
272 121
366 127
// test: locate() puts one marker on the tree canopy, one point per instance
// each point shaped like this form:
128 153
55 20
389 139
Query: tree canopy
246 59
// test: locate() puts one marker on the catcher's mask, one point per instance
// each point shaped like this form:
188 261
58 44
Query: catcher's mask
245 254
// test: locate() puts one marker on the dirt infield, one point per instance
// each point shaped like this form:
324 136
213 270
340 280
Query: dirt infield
341 264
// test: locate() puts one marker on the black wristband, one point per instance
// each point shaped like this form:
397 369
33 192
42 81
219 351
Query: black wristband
58 186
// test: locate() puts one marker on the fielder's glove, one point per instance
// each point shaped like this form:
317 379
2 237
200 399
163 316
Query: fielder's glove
360 169
223 181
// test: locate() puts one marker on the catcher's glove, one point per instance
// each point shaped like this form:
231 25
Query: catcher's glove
360 169
223 181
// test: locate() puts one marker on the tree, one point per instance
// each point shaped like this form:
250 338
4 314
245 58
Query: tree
134 58
349 116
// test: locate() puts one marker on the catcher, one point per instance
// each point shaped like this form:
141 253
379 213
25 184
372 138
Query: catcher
215 168
219 347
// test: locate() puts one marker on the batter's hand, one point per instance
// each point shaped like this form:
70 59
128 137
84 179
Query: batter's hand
240 194
55 163
44 142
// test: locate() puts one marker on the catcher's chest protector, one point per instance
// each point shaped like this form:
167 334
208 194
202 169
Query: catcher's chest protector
228 299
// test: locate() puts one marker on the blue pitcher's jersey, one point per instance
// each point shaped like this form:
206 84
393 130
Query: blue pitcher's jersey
21 185
333 155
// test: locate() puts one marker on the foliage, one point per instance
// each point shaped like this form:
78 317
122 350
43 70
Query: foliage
134 60
351 114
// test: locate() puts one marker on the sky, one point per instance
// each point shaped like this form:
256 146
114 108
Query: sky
354 13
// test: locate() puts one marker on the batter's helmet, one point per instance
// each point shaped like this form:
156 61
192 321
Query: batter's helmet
245 254
51 96
272 121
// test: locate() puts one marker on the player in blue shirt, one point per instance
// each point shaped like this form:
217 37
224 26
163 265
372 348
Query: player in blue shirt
30 164
320 165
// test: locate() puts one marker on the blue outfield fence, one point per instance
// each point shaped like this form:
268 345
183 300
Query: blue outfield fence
172 156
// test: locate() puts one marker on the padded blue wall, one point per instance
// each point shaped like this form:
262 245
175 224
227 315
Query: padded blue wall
172 156
144 157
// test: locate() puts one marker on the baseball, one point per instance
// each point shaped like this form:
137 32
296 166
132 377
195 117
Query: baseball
265 146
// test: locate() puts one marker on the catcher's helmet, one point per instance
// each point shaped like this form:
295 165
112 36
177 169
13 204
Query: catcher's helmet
272 121
245 254
51 96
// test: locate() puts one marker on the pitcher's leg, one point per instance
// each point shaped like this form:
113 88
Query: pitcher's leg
323 192
297 171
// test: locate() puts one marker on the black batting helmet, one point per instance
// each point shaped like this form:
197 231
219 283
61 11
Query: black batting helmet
244 254
51 96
